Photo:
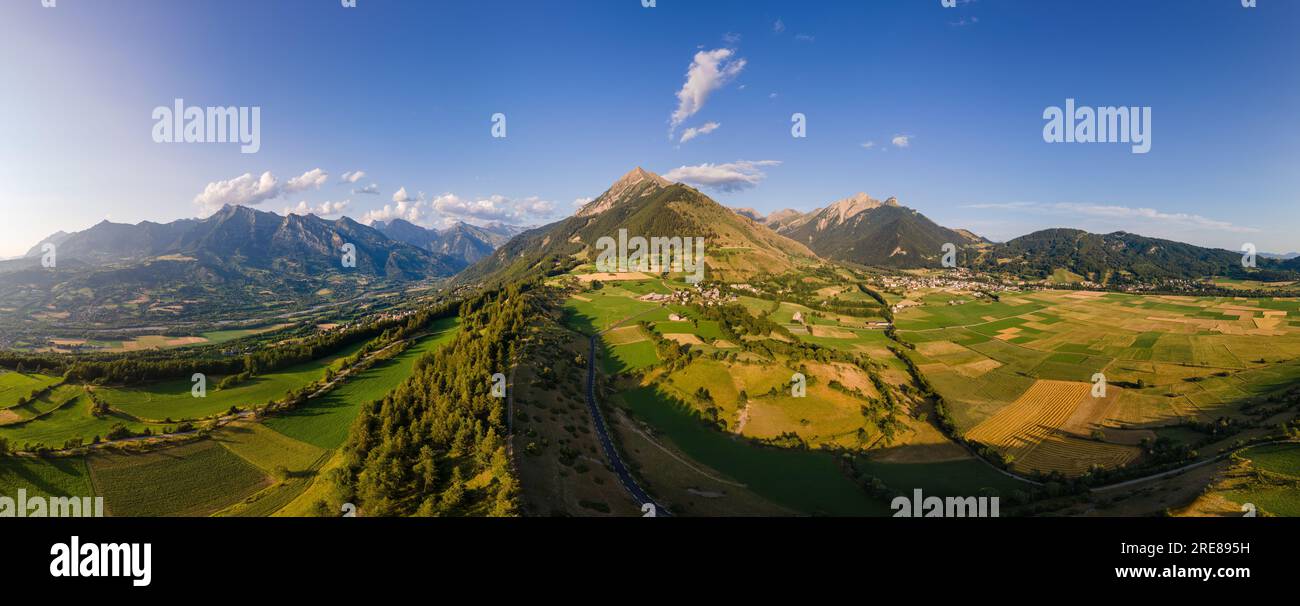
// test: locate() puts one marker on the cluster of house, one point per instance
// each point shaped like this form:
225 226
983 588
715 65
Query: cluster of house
960 279
696 294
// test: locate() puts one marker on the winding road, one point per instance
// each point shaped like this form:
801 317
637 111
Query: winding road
607 443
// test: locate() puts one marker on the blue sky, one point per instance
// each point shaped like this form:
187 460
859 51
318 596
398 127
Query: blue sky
405 91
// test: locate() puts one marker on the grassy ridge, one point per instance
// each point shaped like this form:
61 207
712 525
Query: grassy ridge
14 385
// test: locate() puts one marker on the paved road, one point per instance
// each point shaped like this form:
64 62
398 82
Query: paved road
606 443
1178 470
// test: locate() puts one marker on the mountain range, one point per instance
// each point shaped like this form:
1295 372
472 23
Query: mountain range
463 241
242 258
238 238
237 258
858 229
861 229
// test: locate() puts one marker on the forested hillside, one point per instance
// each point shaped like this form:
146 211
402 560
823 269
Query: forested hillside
437 444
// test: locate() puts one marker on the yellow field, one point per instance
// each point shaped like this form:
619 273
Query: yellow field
625 335
684 338
1029 432
613 277
1073 456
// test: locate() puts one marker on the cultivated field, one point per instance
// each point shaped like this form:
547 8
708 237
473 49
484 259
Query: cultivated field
45 477
192 480
1167 360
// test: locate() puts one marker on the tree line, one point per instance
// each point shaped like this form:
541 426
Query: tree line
136 369
438 444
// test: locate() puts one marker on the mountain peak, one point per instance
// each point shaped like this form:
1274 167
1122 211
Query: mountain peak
637 180
845 209
639 174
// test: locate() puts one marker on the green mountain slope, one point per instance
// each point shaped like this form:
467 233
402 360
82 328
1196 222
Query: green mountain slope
646 205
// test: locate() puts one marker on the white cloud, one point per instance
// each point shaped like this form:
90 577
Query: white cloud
805 38
692 133
581 202
709 71
249 190
902 140
353 176
311 179
779 26
369 190
1112 216
449 208
324 209
401 196
414 212
493 208
245 190
868 145
730 177
731 38
1151 214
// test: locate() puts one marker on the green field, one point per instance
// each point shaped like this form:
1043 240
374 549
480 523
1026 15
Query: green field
71 420
962 478
48 402
629 357
62 477
807 481
267 449
1276 458
14 385
605 308
1279 501
173 399
324 422
1280 459
1174 358
192 480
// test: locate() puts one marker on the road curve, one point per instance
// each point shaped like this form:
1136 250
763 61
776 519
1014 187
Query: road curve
607 443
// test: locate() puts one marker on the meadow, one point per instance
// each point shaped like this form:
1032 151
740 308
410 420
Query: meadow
806 481
64 477
1165 360
324 422
14 385
593 311
174 400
